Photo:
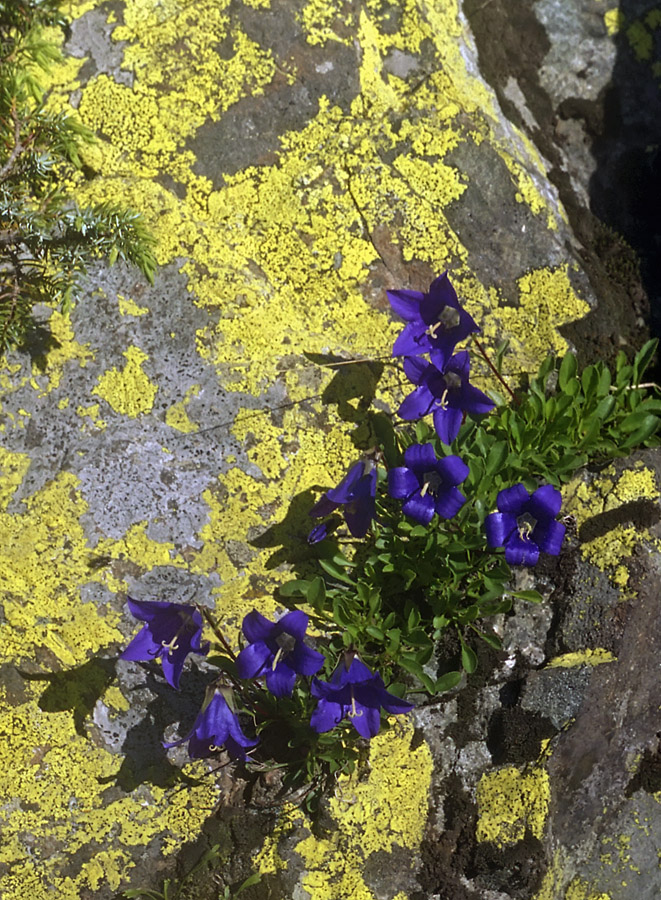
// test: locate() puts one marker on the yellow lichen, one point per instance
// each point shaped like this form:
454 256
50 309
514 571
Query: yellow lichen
547 300
128 307
130 391
511 802
582 658
614 20
177 417
370 816
13 467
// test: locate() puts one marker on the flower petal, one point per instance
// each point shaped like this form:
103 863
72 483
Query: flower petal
304 660
173 665
343 492
452 469
415 368
545 502
549 536
294 623
441 294
323 507
512 499
411 341
405 303
142 647
417 404
281 680
420 457
447 423
358 515
473 400
366 721
449 502
419 508
460 365
257 627
402 482
520 552
327 715
498 527
253 659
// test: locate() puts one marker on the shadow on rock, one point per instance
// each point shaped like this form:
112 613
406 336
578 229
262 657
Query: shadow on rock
77 690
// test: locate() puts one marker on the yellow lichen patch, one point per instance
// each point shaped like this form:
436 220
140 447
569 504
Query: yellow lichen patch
614 20
136 546
65 348
114 699
49 787
177 417
583 890
13 467
372 816
511 802
546 301
128 307
610 551
44 558
582 658
92 412
130 391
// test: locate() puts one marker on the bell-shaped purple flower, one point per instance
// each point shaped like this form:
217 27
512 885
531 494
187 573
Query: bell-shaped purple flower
354 692
446 394
356 493
216 726
526 524
436 321
276 651
427 484
171 631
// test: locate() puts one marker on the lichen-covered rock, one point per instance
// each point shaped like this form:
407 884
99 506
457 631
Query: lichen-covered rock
293 160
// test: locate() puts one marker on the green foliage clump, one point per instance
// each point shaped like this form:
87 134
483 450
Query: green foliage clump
47 241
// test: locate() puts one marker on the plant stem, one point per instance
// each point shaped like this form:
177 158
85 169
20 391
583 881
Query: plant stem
493 368
211 622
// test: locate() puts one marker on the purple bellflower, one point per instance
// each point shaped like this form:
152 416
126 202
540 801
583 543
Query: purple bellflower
447 394
216 725
276 651
428 485
171 631
526 524
354 692
436 322
356 493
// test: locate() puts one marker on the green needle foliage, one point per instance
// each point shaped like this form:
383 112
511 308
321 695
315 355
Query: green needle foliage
47 241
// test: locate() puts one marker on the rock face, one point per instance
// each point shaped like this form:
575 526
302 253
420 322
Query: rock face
294 161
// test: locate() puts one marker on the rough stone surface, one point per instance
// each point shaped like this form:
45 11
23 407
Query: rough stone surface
294 161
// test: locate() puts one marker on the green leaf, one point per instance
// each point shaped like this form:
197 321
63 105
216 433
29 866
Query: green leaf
491 639
375 632
316 593
567 371
646 430
497 456
468 658
530 596
335 571
605 406
292 588
448 681
635 420
603 387
643 359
